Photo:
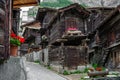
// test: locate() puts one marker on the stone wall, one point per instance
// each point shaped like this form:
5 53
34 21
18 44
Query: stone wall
33 56
41 56
13 69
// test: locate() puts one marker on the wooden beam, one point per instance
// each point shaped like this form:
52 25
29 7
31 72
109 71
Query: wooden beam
25 4
61 40
18 6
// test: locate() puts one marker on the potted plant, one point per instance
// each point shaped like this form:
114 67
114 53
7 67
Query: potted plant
15 41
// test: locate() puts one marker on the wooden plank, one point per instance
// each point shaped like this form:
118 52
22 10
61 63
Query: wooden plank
61 40
22 3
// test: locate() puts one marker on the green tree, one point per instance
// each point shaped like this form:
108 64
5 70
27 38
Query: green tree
59 3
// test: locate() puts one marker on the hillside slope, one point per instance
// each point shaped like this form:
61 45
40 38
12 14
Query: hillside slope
98 3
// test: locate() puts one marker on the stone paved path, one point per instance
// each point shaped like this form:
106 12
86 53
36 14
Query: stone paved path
37 72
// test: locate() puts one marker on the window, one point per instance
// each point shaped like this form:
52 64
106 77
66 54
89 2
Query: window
111 37
71 22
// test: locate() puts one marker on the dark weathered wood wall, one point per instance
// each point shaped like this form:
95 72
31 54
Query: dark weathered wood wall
96 17
31 32
47 18
68 56
63 22
5 25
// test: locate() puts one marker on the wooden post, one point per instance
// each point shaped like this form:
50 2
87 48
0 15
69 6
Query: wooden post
62 55
119 56
8 24
113 57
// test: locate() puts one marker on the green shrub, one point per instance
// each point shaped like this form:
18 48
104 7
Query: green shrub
49 67
76 72
66 72
37 61
85 70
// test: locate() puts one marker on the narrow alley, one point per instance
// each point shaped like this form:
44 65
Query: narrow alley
37 72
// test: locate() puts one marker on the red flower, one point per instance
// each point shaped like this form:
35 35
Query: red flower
22 40
13 35
17 40
18 37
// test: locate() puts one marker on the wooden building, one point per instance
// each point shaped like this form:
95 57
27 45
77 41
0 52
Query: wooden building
98 14
44 15
108 33
66 33
5 25
73 16
8 8
32 36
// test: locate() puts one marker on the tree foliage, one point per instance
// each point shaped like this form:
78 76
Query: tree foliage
57 4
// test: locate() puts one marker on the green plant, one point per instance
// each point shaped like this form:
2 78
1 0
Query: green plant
66 72
94 66
59 3
115 74
49 67
82 78
76 72
37 61
86 70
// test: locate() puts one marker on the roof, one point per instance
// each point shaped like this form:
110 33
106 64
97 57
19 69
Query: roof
109 17
76 6
32 24
101 8
23 3
42 12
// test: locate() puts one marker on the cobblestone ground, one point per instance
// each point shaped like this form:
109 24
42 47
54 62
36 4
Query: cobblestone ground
37 72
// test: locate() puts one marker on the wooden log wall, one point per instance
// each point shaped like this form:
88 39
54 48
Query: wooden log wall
47 18
117 31
56 32
96 17
93 22
5 26
68 56
61 25
54 56
31 32
72 57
